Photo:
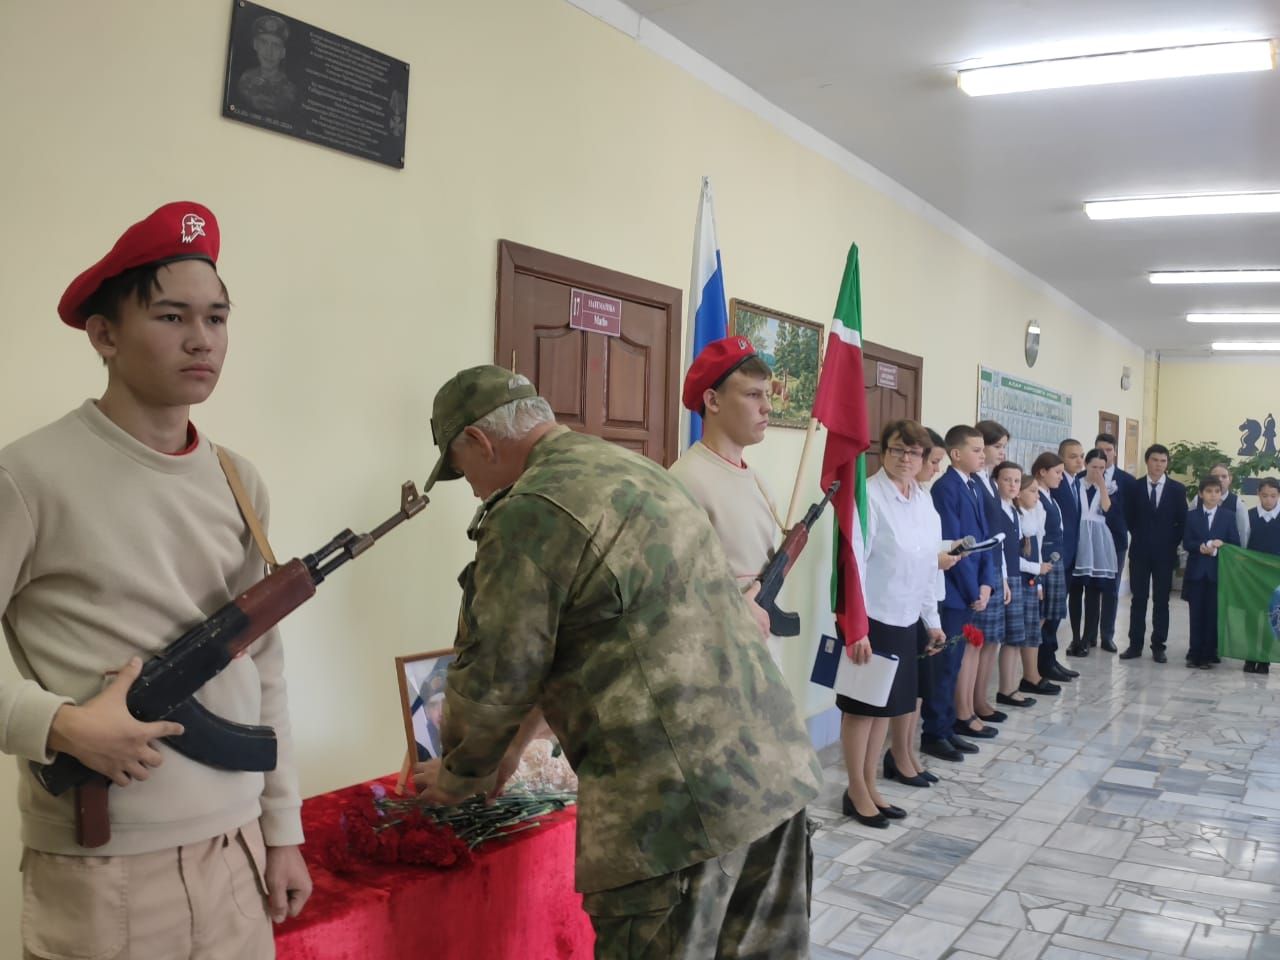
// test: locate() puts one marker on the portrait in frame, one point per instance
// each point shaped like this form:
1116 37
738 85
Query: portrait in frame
421 677
792 347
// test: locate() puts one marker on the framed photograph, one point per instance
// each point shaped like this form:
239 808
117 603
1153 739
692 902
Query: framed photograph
793 349
421 677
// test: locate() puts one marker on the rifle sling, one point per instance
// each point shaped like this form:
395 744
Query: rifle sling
246 508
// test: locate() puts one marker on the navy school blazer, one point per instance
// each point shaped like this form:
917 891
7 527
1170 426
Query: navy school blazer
1156 533
962 516
1199 566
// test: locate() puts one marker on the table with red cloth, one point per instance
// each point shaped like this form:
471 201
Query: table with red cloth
514 900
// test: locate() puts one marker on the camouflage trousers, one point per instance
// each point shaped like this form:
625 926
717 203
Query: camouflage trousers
750 904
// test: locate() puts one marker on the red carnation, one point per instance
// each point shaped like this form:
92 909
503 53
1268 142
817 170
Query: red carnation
433 847
973 635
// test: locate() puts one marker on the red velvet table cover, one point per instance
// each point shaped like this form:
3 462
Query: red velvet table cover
515 900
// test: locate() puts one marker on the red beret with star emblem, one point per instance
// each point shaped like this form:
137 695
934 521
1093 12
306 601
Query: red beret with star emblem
177 231
718 359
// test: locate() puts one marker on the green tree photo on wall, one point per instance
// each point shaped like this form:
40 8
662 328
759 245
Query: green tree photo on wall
792 348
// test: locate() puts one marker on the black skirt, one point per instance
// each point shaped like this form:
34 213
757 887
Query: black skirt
890 641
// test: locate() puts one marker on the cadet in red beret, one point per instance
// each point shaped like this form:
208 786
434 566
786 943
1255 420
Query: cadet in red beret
730 385
118 531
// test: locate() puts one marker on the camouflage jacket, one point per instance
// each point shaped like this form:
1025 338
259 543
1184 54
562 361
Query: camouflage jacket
600 593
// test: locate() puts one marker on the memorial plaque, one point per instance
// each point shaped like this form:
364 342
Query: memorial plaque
291 77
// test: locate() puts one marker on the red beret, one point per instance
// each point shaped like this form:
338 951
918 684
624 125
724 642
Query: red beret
718 359
177 231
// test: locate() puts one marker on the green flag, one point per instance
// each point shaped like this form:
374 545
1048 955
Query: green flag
1248 605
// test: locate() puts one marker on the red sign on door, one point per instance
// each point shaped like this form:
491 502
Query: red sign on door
595 313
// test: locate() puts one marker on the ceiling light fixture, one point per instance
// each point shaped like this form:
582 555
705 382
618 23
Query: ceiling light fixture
1214 276
1194 61
1246 345
1183 206
1233 318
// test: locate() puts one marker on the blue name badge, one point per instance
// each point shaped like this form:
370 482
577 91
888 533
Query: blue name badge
827 662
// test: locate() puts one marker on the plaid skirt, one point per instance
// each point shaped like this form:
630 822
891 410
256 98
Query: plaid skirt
1031 609
991 621
1015 614
1054 604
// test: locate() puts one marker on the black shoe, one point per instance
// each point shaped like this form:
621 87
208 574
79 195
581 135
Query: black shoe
942 749
1131 653
986 733
1077 650
1263 668
1008 701
1192 664
891 772
1044 686
929 777
892 812
1054 672
879 820
1159 657
963 745
995 716
1250 666
1072 674
1215 659
1109 646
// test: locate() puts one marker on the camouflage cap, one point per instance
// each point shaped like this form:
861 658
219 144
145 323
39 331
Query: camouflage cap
463 400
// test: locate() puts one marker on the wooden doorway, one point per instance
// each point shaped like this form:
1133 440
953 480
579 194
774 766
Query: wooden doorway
1109 423
892 380
622 388
1131 452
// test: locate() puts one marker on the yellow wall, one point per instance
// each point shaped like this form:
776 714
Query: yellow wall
359 289
1205 399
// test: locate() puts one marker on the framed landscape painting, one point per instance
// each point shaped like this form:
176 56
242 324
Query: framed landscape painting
793 349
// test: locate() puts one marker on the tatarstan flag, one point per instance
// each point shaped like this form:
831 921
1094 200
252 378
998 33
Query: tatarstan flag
841 406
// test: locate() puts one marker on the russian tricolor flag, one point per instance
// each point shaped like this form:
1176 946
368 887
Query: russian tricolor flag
708 311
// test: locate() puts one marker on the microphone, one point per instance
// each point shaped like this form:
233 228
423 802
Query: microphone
1055 557
967 543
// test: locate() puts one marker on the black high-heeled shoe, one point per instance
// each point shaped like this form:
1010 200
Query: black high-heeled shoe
879 821
928 776
891 772
892 812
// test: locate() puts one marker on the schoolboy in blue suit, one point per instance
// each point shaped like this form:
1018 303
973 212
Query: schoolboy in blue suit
969 585
1067 496
1208 528
1156 514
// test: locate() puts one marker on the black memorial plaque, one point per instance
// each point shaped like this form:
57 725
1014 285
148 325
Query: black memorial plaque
288 76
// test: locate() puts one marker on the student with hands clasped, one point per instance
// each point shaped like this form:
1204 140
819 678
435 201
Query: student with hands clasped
1209 527
1096 554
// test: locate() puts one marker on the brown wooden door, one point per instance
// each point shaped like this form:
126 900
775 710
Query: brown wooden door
892 380
623 388
1109 423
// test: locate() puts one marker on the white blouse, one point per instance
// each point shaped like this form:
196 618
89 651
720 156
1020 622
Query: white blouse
903 538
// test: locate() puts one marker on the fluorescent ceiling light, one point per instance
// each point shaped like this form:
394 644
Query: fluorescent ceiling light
1123 67
1186 206
1249 345
1233 318
1214 276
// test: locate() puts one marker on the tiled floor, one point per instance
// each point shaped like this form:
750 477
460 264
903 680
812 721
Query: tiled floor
1134 817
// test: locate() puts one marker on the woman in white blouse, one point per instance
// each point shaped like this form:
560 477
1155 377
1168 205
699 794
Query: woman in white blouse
902 556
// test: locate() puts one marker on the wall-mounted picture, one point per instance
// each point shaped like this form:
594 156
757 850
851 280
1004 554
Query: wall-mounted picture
793 349
421 677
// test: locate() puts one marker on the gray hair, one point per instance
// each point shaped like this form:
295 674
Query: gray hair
513 420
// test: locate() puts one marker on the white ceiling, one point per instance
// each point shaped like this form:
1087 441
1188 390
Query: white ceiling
878 77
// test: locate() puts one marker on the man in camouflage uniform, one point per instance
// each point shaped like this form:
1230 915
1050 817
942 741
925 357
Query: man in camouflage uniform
600 598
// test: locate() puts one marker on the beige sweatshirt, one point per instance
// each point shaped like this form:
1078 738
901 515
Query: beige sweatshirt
741 511
109 549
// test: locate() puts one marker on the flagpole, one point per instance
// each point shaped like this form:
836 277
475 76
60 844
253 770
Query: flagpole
804 458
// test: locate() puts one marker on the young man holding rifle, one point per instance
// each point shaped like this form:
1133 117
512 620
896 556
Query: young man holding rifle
118 531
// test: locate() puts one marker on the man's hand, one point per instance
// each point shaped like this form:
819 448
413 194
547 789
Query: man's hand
425 777
506 769
758 613
860 652
104 736
946 560
288 882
